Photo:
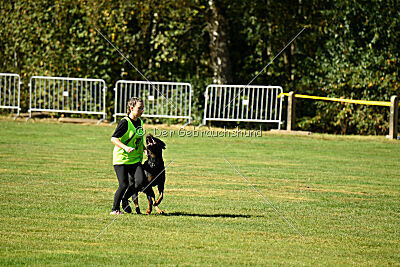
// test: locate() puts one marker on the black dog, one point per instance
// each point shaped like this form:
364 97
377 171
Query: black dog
155 173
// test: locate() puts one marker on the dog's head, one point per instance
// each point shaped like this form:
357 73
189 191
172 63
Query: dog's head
154 146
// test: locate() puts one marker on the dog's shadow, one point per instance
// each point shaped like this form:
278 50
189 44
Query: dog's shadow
207 215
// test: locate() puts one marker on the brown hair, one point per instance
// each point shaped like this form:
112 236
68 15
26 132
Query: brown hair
131 103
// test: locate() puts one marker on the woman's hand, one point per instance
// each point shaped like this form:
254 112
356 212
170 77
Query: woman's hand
128 149
119 144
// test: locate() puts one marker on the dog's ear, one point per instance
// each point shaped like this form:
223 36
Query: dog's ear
160 143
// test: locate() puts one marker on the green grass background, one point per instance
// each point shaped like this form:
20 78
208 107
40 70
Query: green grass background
342 193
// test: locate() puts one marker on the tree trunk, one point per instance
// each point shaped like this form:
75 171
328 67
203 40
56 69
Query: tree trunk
152 36
219 54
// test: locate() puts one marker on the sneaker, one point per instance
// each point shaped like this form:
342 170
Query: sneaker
116 212
126 207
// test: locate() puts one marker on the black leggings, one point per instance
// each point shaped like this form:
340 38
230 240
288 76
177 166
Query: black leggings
130 181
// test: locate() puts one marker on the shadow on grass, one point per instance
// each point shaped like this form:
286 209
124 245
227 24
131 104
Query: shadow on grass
207 215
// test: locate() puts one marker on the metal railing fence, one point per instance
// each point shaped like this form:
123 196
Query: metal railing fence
243 103
161 99
67 95
10 91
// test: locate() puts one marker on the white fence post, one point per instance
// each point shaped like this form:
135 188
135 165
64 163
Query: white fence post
394 117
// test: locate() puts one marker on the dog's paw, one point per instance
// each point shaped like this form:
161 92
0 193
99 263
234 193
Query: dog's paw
148 211
159 211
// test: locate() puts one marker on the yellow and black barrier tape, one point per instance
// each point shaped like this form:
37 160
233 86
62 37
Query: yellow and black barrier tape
353 101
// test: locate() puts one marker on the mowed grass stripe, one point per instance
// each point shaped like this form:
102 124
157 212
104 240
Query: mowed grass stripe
57 185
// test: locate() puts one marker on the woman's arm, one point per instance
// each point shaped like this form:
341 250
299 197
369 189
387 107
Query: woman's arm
119 144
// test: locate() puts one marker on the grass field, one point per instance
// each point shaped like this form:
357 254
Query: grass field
342 193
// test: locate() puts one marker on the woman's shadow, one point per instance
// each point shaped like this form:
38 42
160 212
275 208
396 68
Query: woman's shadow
207 215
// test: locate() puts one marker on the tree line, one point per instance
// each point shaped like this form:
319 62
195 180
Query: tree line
349 49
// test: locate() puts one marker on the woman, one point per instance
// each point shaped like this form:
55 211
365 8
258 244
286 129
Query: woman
128 155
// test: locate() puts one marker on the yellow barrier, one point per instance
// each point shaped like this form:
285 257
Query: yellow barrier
362 102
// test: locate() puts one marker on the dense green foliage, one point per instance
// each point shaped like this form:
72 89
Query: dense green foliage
350 48
57 186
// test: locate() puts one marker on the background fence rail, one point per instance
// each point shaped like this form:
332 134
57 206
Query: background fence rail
241 103
161 99
10 91
67 95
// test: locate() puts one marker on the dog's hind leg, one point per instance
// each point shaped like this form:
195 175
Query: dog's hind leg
136 202
150 198
150 207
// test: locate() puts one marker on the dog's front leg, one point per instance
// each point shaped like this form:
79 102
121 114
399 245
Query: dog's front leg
160 198
156 203
159 211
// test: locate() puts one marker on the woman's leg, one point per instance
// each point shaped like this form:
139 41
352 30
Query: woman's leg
122 175
134 180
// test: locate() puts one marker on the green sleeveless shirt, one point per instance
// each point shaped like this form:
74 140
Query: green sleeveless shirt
120 156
